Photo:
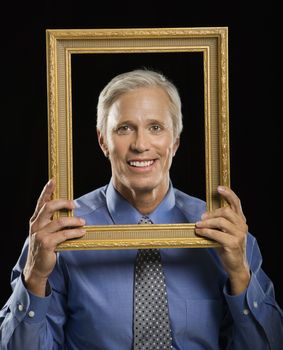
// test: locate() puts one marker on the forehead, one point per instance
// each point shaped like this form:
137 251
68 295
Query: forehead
154 91
144 100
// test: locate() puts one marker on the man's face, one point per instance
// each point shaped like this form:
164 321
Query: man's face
139 141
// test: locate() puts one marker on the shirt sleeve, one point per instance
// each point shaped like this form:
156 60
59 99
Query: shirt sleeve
258 319
26 321
24 312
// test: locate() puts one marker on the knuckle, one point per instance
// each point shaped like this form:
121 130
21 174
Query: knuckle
226 210
245 228
34 237
32 219
235 243
221 223
238 202
39 240
61 221
66 233
208 232
32 226
47 206
45 242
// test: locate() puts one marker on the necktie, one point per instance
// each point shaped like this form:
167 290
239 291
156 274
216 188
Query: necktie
151 319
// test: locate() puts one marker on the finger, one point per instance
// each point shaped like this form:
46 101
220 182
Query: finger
50 242
61 224
45 196
47 211
219 223
64 235
223 238
232 199
212 234
224 212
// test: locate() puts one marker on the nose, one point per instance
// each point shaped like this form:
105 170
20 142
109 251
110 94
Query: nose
140 142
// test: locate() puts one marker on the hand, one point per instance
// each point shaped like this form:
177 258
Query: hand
227 226
45 234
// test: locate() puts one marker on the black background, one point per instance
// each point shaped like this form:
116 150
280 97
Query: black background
89 78
255 124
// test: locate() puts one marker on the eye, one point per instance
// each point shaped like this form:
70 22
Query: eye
155 129
123 129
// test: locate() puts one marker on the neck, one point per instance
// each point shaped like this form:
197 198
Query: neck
144 200
145 203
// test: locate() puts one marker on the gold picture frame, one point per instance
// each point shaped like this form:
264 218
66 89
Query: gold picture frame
212 42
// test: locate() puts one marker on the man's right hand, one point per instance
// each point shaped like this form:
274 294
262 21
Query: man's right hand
44 236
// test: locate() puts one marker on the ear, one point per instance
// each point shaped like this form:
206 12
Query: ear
102 143
176 145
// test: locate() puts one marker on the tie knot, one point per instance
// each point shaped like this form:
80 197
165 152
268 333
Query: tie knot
145 220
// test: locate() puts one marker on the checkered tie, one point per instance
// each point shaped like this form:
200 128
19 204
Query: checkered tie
151 319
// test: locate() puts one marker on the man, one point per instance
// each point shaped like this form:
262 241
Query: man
216 299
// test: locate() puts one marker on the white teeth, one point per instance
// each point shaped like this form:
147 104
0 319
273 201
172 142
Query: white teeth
141 164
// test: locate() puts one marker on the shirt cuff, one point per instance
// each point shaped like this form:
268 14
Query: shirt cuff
27 306
246 304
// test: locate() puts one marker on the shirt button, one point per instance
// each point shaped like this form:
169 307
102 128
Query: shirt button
246 311
31 314
255 304
20 307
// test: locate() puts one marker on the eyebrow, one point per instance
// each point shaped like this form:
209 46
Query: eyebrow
149 121
155 121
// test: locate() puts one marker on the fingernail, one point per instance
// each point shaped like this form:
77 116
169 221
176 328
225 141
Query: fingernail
82 221
221 188
204 216
198 223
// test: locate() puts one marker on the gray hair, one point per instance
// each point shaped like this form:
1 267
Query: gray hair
132 80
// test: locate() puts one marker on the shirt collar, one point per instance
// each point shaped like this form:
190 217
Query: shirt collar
122 211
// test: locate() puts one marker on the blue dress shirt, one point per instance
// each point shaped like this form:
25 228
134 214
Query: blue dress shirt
90 306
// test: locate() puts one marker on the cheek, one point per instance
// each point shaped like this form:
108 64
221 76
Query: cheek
117 147
165 147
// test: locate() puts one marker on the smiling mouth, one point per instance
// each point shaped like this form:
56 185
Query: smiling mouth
141 164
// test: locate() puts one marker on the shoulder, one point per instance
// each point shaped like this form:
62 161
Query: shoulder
91 201
192 207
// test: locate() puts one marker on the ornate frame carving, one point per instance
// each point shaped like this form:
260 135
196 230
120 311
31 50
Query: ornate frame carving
213 43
